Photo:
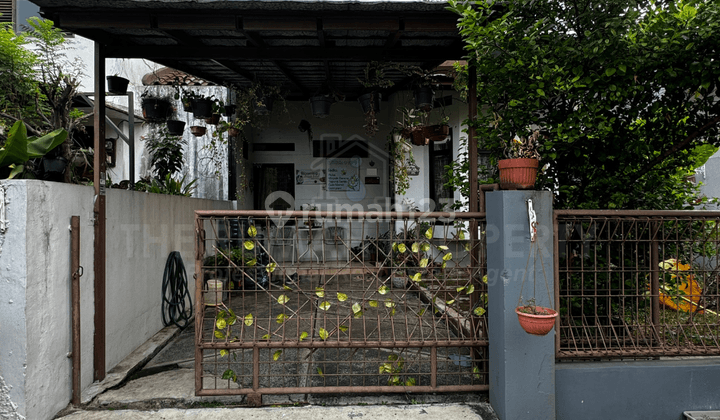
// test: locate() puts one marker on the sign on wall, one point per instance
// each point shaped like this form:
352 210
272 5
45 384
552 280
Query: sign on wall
343 174
304 177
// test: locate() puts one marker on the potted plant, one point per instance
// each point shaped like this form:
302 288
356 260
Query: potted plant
320 105
412 126
117 85
198 130
519 170
536 320
202 106
402 158
175 127
156 108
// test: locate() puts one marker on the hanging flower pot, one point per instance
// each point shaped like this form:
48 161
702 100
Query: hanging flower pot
424 97
117 85
214 119
536 320
175 127
228 110
155 109
234 132
320 105
202 108
436 132
264 105
370 102
198 130
517 174
187 104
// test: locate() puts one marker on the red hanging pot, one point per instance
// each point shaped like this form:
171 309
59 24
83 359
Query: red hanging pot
537 324
518 174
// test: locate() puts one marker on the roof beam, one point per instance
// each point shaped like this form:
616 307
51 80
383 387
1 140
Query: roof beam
289 53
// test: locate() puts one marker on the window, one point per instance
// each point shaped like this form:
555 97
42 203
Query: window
6 8
441 155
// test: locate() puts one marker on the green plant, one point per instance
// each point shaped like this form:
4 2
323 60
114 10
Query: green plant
166 152
622 92
395 367
401 158
523 147
172 186
19 149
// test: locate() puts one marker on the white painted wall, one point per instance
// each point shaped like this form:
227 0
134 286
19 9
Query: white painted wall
142 229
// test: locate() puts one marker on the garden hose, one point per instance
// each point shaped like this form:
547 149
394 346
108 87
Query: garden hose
175 290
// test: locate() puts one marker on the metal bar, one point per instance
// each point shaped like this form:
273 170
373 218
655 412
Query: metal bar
655 277
99 163
381 215
131 135
345 389
556 261
256 369
640 213
75 298
472 139
433 367
343 344
199 306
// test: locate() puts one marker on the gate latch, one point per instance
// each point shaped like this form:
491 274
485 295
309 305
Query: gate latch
533 220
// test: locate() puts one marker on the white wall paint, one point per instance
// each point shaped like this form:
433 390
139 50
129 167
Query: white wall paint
142 229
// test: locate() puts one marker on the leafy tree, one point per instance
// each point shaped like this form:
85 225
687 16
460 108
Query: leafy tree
624 93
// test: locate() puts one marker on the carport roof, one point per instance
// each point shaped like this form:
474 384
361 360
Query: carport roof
299 44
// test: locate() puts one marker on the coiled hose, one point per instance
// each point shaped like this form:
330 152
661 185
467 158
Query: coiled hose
175 290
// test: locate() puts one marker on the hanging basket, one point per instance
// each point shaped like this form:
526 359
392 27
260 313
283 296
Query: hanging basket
175 127
437 132
198 130
518 174
320 105
228 110
117 85
233 132
424 97
202 108
537 324
214 119
370 102
155 109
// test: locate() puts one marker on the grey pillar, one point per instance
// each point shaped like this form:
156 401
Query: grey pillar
522 366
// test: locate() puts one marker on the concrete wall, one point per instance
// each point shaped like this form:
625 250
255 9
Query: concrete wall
35 334
652 390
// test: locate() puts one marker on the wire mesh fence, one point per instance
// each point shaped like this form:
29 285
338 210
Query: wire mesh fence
634 284
336 302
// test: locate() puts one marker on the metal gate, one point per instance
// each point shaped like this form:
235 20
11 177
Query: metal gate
339 302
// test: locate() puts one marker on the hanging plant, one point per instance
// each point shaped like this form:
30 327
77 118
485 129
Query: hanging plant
401 156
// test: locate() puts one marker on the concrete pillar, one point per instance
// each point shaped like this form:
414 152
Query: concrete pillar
522 366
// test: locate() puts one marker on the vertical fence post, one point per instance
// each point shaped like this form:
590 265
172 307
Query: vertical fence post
75 299
522 366
655 278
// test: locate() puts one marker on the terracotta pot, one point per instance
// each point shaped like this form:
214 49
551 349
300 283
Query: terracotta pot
198 130
518 174
537 324
417 135
234 132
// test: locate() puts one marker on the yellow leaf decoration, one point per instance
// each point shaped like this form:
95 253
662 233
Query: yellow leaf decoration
356 308
485 279
416 277
271 267
470 289
459 289
266 337
342 297
450 302
358 314
425 247
415 247
224 353
479 311
401 248
277 354
467 247
447 257
252 232
303 335
383 290
282 299
422 312
221 324
249 245
281 318
444 264
389 303
219 334
286 287
443 247
476 371
410 382
343 328
319 291
323 333
251 262
373 303
461 235
248 319
325 305
429 233
319 371
424 263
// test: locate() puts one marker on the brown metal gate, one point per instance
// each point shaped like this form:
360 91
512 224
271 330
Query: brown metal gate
331 302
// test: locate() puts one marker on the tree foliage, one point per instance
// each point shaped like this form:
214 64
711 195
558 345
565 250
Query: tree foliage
624 93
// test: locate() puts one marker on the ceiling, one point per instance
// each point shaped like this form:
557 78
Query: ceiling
301 45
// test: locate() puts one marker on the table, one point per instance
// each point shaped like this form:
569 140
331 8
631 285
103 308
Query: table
308 231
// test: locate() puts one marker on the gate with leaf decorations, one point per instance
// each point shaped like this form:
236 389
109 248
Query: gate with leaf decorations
335 302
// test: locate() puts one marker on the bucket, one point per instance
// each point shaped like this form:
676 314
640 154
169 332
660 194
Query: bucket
214 292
